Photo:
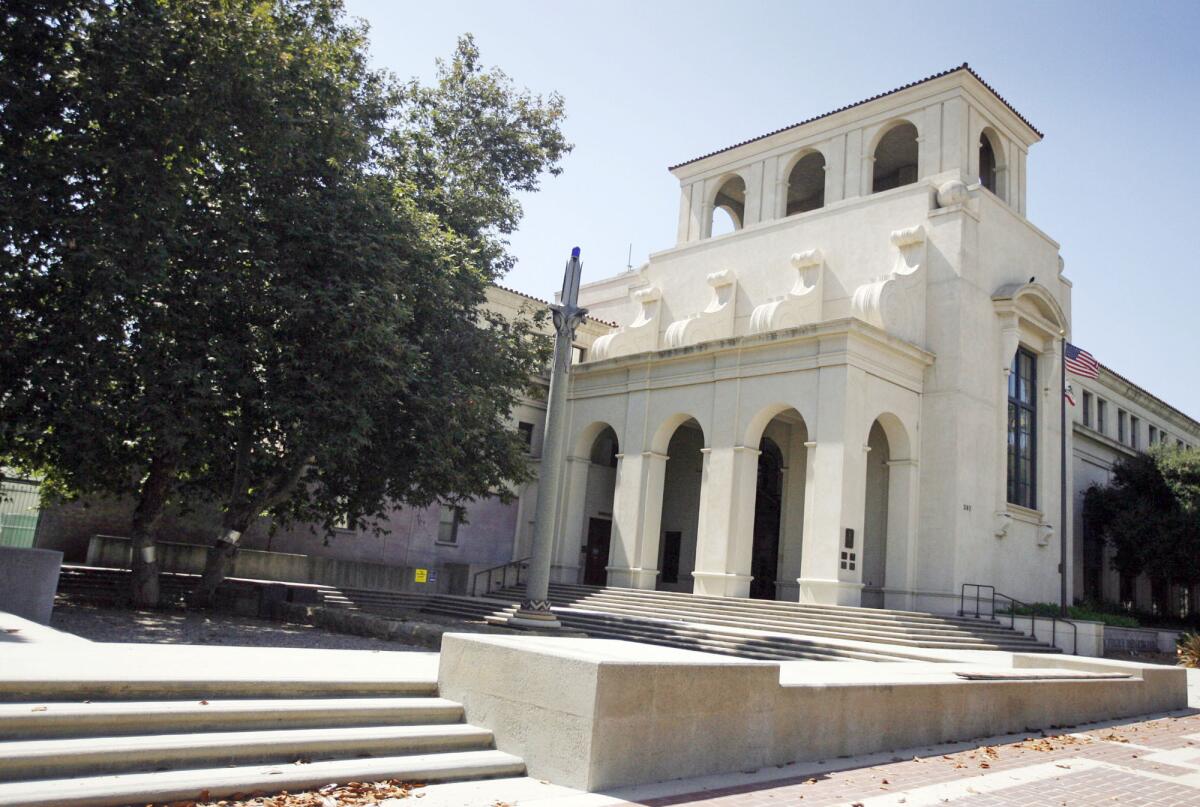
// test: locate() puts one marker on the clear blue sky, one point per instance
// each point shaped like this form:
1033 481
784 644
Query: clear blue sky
1115 87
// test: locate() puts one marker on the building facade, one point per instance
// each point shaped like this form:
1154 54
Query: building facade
1115 418
841 385
852 397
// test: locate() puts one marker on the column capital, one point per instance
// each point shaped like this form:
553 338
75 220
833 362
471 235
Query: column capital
810 443
574 458
656 455
908 462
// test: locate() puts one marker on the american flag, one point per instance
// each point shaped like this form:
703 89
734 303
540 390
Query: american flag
1081 363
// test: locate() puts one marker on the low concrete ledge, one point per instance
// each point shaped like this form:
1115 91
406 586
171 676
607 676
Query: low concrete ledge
595 714
28 580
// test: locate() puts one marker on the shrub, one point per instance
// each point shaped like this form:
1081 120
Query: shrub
1188 650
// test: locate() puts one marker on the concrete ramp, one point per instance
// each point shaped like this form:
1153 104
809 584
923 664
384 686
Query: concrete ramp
595 714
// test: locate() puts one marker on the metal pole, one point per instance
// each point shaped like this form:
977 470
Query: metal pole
535 608
1062 523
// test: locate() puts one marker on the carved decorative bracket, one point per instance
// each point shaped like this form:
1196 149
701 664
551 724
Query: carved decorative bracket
801 305
896 302
638 336
714 322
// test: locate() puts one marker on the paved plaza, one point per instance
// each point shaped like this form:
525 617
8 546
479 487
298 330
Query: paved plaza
1130 762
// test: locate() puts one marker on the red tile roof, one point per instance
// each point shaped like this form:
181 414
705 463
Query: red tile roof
546 303
963 66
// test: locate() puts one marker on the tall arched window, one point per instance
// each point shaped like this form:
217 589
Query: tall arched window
806 184
731 199
1022 430
895 158
989 166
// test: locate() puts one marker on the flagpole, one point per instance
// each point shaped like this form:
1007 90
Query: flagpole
1062 524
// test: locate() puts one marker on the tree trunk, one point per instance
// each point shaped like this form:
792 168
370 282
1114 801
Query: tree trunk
220 558
144 590
237 520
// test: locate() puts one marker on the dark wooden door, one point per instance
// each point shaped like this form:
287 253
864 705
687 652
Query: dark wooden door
598 539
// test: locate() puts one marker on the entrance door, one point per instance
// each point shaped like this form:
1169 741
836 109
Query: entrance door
768 499
599 536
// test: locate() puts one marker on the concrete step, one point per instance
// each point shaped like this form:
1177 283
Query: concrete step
41 759
215 783
932 632
200 688
30 721
899 637
743 647
784 609
932 622
770 646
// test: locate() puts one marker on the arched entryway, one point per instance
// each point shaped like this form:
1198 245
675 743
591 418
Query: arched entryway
680 508
598 507
875 518
780 434
768 510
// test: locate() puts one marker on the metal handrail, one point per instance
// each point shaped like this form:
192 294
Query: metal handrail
518 565
1013 605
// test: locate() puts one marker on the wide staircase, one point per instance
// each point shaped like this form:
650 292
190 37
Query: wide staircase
111 742
759 629
740 627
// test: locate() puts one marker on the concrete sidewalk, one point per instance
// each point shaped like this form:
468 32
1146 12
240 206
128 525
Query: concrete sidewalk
1150 761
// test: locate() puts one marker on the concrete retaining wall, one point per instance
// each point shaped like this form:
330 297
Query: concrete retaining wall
1140 640
28 580
111 551
595 713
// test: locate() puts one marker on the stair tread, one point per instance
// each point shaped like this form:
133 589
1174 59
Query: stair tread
17 753
63 719
165 786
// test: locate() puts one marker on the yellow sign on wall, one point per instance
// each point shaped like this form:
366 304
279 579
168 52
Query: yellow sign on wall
421 575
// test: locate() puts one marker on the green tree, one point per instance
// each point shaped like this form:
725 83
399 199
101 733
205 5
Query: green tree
1149 512
277 307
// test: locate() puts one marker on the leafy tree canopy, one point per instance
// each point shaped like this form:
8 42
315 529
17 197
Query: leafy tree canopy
1149 512
241 266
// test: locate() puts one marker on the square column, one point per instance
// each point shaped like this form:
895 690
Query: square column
725 537
835 495
901 535
571 534
637 516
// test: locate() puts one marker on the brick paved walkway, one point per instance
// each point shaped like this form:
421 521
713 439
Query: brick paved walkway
1153 762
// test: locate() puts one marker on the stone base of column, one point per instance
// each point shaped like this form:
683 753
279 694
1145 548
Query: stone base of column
622 577
534 614
720 584
561 573
830 592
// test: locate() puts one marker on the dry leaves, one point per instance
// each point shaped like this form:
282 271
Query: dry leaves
351 794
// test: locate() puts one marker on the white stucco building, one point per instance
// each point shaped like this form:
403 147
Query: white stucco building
853 397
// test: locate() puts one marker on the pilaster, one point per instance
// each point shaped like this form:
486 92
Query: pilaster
726 532
835 496
571 534
637 516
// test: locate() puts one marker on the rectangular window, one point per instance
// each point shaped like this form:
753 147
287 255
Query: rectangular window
1022 430
1087 408
1135 427
1122 426
526 432
1153 435
448 520
1101 414
1162 437
1179 444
